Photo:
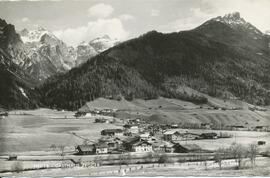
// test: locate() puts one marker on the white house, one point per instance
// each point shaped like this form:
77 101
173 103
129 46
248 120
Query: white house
142 146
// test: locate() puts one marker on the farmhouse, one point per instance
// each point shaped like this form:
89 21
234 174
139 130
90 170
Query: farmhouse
101 120
145 136
130 128
101 148
162 146
113 144
187 148
86 149
261 142
262 128
174 126
188 136
134 121
171 135
128 142
112 132
206 125
142 146
237 127
210 135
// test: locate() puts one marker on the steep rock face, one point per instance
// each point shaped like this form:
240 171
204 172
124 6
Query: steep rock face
103 43
47 55
217 58
86 51
11 43
15 85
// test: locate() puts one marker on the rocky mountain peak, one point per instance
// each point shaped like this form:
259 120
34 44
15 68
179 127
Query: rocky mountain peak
235 21
231 19
2 22
233 16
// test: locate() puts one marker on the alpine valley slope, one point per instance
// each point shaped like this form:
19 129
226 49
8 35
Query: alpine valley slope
16 86
225 57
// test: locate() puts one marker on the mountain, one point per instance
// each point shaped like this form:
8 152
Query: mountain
225 57
103 43
46 54
85 50
15 84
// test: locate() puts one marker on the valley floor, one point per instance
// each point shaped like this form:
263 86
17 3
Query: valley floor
31 135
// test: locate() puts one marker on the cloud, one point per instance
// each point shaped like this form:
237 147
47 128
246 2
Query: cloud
25 19
126 17
154 12
112 27
100 10
196 18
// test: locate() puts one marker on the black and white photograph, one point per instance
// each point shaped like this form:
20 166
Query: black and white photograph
110 88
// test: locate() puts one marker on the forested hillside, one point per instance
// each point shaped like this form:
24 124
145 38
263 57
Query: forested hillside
156 64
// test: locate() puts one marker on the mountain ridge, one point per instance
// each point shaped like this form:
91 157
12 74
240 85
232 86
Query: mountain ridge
157 64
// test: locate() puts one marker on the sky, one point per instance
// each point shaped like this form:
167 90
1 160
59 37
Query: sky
75 21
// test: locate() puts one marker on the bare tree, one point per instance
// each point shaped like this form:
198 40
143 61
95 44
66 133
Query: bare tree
53 147
252 153
62 150
220 155
238 152
98 160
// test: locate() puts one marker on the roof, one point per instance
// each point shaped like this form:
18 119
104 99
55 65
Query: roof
131 140
160 143
209 134
109 139
141 142
113 130
130 125
189 133
261 126
191 147
171 132
145 135
102 145
86 147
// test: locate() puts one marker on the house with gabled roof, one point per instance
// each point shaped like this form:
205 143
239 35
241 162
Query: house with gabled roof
171 135
142 146
86 149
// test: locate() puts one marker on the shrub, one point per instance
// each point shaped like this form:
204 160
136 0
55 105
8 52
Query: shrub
17 166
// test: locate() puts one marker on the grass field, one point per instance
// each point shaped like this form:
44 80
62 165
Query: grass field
37 130
26 133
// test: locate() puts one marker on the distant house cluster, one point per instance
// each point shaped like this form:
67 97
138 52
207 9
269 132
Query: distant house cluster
140 138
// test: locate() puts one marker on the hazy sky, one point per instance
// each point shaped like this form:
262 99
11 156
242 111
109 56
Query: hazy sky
75 21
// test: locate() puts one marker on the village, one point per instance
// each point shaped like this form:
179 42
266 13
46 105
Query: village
140 136
115 136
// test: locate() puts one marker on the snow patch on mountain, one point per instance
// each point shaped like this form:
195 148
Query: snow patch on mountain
103 43
23 92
